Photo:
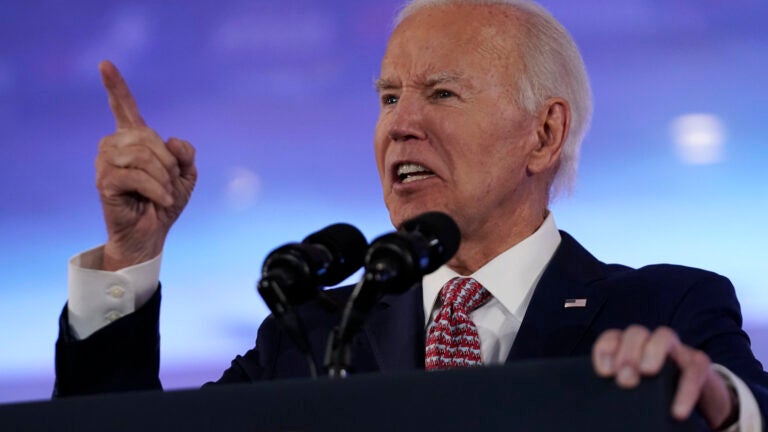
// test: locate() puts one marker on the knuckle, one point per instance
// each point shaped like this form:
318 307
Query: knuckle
134 156
148 133
101 169
141 136
610 336
636 330
122 136
700 359
102 180
141 155
105 143
665 333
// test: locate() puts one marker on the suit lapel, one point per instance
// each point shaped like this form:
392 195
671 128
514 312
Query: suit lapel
395 330
549 328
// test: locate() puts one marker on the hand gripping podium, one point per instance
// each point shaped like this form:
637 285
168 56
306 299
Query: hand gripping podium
542 395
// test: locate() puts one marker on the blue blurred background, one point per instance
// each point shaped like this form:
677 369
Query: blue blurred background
277 96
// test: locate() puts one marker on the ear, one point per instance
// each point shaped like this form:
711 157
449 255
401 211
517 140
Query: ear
553 123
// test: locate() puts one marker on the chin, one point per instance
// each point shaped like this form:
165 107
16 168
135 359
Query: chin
397 218
401 213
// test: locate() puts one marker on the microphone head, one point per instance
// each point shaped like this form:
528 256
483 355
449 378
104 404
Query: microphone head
346 246
441 233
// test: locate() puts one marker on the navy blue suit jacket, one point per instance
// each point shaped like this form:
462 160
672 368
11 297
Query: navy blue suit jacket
700 306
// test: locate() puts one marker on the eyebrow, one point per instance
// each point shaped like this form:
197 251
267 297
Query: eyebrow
382 84
442 78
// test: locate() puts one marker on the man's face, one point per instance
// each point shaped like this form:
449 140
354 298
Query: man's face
450 136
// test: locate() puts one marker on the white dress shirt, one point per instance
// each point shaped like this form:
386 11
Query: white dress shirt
510 278
97 297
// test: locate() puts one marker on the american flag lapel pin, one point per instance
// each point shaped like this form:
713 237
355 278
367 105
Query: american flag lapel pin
575 303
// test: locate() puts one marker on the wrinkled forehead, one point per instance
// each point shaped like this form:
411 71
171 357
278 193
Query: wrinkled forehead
456 36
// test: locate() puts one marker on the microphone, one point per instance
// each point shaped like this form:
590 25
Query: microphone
419 247
294 273
393 264
323 258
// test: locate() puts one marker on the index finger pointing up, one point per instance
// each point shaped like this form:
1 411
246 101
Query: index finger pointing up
121 100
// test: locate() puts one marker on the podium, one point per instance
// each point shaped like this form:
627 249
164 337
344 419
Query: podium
543 395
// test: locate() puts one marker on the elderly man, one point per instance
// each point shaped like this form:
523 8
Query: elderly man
483 107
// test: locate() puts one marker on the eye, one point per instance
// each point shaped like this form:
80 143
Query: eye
388 99
443 94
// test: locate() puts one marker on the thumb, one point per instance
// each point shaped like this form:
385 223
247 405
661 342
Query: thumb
184 153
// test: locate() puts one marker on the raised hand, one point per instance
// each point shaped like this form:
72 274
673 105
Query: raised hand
144 183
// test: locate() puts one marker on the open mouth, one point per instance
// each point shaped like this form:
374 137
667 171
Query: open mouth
409 172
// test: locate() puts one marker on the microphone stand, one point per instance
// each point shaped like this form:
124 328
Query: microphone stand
293 274
287 318
377 280
393 264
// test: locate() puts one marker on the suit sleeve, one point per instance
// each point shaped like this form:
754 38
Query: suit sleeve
709 318
123 356
276 356
259 362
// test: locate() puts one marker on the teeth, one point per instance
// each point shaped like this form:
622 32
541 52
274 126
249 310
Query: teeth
410 168
408 172
411 178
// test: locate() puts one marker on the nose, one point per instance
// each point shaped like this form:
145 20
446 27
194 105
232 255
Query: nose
407 120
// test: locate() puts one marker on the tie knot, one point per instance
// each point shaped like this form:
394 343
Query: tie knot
464 293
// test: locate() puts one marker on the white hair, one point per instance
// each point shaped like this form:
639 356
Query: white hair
553 67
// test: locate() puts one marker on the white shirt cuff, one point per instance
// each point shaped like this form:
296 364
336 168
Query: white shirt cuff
749 412
98 297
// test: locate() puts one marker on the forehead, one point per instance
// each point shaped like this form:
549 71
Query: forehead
461 38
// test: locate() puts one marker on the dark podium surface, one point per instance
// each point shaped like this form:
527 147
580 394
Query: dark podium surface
546 395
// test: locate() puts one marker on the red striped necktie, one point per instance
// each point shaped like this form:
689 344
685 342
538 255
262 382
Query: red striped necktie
452 339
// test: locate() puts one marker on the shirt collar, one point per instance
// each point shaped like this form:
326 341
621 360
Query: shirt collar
511 276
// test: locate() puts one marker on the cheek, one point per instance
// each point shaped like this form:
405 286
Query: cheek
496 159
379 147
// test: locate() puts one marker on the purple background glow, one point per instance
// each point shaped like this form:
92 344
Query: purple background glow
277 96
